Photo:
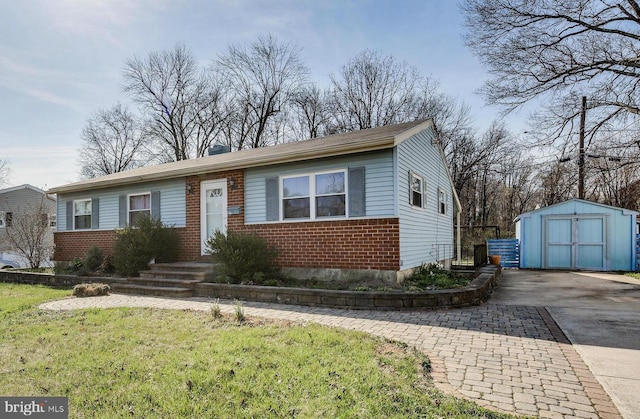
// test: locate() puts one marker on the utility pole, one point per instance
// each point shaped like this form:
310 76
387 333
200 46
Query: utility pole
583 115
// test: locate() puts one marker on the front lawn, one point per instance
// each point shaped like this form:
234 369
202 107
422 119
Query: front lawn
182 364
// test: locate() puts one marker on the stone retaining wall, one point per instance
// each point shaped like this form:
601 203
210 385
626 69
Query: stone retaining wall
473 294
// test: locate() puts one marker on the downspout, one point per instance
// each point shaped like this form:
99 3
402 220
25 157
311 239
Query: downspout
458 244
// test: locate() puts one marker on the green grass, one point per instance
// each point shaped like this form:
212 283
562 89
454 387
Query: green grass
633 275
119 363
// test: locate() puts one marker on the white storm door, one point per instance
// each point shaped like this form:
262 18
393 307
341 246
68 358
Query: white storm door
213 209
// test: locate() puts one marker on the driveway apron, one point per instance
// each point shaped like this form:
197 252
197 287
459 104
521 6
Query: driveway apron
509 357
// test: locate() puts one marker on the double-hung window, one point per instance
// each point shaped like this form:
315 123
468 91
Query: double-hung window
139 206
82 214
442 201
314 196
417 190
2 225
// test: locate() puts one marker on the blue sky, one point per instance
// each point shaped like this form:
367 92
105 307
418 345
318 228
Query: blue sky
62 60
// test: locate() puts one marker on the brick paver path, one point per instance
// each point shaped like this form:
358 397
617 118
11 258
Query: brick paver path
510 358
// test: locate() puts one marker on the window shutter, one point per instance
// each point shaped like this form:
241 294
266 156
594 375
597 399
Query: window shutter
424 193
69 215
357 193
410 188
122 211
155 205
272 199
95 213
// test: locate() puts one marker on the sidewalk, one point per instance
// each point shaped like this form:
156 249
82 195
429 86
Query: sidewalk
503 357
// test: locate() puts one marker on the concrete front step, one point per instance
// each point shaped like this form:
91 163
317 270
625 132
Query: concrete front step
182 275
176 292
182 267
165 282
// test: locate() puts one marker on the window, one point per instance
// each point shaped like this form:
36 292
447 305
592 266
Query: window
53 220
442 201
2 219
330 195
320 195
82 214
417 190
139 206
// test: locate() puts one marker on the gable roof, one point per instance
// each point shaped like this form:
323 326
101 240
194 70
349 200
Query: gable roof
584 201
25 186
333 145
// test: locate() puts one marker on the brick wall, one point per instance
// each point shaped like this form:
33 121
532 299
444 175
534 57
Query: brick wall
339 244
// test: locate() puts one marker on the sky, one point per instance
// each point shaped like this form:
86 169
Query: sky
62 60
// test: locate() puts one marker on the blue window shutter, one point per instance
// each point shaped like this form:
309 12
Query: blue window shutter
69 215
357 192
155 205
272 199
410 187
95 213
424 193
122 211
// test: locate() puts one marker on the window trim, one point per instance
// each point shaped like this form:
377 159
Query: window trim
129 205
73 213
313 195
442 201
423 190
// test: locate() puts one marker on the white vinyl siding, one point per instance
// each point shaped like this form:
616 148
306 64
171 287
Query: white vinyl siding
379 187
425 235
172 199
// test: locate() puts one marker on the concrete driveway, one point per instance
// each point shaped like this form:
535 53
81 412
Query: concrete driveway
599 313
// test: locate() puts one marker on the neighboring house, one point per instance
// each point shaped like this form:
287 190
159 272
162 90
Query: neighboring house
17 202
371 202
578 234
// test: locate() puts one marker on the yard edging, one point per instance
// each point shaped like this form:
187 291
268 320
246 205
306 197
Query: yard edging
473 294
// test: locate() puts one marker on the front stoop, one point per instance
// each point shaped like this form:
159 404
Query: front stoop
176 280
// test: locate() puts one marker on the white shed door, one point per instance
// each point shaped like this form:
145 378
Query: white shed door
575 242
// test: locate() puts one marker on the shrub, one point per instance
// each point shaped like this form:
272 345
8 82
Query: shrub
91 290
136 246
93 259
244 256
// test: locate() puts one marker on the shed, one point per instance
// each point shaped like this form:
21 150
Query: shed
578 235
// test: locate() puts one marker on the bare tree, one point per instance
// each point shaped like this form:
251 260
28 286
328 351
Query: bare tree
29 234
262 79
181 103
559 50
4 171
112 142
373 90
311 114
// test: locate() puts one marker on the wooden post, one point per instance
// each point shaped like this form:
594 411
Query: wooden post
583 115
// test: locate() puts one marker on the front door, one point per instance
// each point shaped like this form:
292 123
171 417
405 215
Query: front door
213 209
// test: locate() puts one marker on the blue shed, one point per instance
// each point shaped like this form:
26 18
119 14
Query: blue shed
578 234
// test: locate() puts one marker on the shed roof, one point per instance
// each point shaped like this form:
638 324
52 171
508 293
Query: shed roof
624 210
332 145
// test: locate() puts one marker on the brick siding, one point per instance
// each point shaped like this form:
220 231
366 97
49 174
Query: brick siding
339 244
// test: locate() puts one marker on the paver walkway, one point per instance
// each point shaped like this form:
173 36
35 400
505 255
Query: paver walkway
509 358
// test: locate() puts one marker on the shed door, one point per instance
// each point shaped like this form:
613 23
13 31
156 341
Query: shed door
575 243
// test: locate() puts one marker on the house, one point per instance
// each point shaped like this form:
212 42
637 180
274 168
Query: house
19 206
372 202
578 234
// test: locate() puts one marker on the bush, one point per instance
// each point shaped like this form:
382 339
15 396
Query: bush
93 259
136 246
245 257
